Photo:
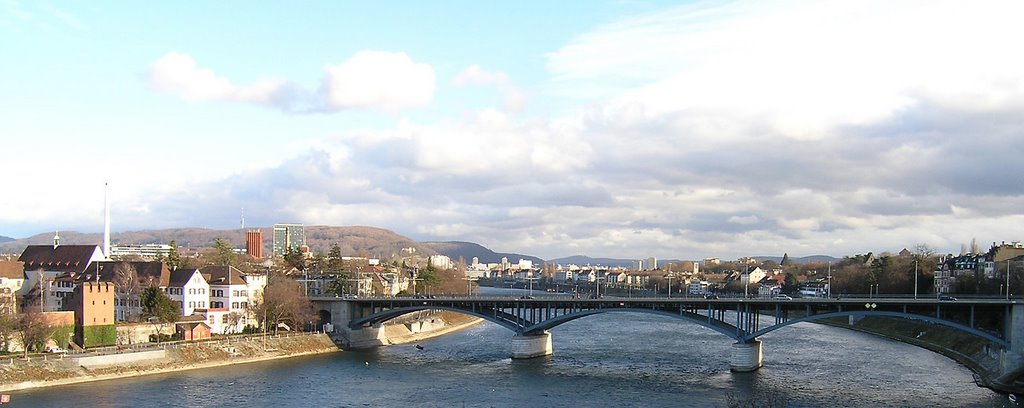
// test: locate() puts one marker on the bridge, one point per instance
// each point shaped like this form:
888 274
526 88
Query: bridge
1000 322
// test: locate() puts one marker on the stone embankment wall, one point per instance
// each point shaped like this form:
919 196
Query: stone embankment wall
19 374
422 328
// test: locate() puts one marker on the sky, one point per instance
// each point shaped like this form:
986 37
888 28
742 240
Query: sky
618 128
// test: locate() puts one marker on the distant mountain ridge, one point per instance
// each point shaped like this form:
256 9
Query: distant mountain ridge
613 262
5 239
800 260
352 240
468 250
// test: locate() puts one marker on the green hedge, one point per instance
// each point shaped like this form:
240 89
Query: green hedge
61 335
98 336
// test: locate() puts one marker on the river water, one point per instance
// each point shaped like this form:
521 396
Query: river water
606 360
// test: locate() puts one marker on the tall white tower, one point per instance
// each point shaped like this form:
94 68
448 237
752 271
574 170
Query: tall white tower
106 223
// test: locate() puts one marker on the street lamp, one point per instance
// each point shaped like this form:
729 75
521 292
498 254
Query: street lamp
1007 279
915 279
829 279
669 277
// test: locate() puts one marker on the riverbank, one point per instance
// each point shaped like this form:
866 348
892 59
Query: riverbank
969 351
182 357
449 322
52 371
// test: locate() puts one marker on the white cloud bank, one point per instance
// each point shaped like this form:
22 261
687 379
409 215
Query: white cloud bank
706 130
368 80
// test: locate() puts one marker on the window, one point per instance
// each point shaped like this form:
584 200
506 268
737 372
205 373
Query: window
245 305
234 305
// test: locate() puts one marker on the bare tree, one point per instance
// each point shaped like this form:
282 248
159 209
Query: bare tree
282 301
233 319
34 330
127 288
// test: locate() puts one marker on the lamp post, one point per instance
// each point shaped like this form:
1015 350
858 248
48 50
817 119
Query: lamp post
830 279
746 282
669 277
915 279
1007 279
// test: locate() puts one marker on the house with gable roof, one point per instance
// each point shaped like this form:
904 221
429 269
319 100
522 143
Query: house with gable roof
230 289
12 278
44 263
189 289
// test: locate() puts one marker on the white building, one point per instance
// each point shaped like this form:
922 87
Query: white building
146 251
441 262
189 288
699 288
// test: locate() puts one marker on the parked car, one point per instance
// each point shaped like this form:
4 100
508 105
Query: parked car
56 350
783 297
947 298
710 296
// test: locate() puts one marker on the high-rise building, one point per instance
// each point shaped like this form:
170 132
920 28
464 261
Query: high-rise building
288 236
254 243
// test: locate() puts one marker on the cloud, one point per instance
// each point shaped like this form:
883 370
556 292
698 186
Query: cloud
714 129
474 75
368 80
378 79
178 74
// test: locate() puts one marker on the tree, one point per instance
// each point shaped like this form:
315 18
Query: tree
334 261
126 285
224 254
791 284
8 328
282 301
158 308
233 319
785 260
34 330
173 257
295 259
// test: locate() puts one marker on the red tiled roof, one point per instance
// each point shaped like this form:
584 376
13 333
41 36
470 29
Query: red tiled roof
12 270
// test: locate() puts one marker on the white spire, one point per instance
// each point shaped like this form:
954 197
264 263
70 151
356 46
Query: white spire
56 239
106 223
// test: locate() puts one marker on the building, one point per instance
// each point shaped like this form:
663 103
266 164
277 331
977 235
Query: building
189 289
651 264
12 278
231 289
288 236
254 243
147 251
44 263
94 313
128 306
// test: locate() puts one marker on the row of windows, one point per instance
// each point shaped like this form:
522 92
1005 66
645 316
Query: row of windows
199 304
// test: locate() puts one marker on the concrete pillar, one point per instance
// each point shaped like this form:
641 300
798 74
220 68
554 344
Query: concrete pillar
746 356
530 346
367 337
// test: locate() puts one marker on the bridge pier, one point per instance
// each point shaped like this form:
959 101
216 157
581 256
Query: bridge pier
746 357
532 345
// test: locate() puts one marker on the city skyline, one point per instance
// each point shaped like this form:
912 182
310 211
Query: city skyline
617 129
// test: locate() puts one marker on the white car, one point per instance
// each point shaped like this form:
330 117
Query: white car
783 297
56 350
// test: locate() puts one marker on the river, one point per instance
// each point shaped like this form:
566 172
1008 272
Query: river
606 360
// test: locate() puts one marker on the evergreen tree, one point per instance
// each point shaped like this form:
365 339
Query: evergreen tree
173 257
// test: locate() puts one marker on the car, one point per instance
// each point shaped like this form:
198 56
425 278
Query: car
526 297
783 297
711 296
56 350
947 298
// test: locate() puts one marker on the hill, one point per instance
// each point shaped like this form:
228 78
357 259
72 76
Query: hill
613 262
354 240
468 250
5 239
800 260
